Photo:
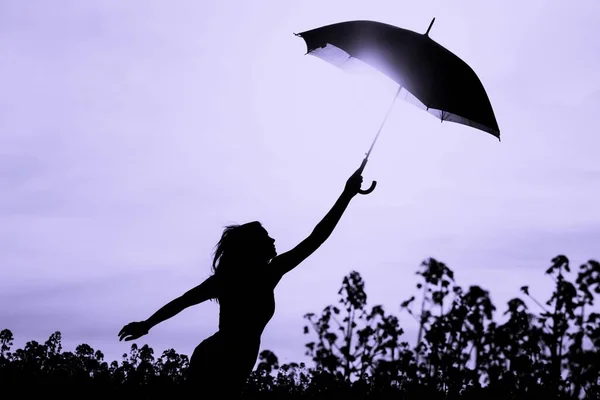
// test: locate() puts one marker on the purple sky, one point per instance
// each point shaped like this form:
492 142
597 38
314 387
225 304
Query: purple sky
131 132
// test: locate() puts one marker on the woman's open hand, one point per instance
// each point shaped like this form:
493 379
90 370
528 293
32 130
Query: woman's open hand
133 330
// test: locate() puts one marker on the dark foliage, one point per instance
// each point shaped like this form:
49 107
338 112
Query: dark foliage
359 351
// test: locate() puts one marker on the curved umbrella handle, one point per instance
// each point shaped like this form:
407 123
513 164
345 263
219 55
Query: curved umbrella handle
369 190
360 170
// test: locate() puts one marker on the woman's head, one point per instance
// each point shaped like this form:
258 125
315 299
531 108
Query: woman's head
248 243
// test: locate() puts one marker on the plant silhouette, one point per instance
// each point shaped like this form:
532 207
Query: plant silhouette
359 350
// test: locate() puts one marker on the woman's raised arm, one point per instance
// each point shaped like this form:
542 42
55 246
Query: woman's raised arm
287 261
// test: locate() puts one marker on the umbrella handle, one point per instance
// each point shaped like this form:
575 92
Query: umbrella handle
373 184
369 190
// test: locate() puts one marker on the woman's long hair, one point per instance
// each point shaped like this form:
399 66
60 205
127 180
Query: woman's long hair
233 248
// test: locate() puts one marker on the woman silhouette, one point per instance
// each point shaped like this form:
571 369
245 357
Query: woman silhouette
246 270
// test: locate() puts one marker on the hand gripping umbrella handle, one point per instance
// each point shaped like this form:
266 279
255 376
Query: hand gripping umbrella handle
373 184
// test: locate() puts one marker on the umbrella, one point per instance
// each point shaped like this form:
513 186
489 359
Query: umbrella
429 76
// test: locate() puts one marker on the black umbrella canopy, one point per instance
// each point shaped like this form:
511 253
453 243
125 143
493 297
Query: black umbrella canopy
436 80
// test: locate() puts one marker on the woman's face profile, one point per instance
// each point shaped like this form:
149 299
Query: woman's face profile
261 244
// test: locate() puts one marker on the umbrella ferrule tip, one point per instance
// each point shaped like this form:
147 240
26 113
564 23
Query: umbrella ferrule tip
430 25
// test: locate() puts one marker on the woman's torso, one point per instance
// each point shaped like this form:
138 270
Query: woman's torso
247 304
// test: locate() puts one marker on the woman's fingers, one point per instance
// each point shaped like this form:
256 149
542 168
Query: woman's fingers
127 337
124 329
131 331
125 332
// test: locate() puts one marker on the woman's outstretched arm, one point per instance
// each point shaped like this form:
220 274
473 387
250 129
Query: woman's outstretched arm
201 293
205 291
289 260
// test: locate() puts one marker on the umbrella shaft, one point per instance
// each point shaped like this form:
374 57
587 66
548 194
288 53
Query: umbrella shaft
389 111
383 123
